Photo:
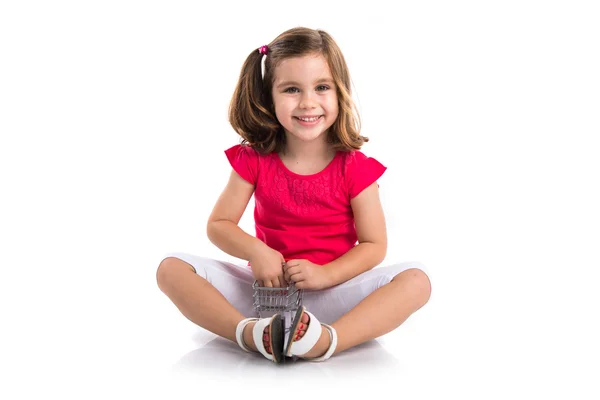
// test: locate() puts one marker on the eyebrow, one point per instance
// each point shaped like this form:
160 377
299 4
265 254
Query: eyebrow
288 83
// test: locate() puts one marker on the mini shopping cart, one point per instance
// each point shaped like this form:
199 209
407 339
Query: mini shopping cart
269 301
285 301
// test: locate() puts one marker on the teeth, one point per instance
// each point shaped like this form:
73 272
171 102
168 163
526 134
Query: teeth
313 119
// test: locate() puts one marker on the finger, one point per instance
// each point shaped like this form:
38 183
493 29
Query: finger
282 282
296 277
293 270
275 283
268 284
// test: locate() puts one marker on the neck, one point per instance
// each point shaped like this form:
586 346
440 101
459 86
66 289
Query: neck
297 149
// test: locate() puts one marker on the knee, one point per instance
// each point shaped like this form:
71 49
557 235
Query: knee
418 281
170 270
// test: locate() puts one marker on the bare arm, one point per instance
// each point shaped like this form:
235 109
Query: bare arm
372 239
223 231
222 228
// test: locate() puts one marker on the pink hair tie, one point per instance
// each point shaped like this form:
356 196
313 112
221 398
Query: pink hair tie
263 49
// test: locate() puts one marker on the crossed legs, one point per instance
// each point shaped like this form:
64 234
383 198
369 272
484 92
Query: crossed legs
378 313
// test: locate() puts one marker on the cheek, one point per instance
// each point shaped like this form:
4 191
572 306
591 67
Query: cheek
283 107
281 112
332 103
333 107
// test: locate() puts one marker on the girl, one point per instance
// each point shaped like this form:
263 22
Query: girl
316 196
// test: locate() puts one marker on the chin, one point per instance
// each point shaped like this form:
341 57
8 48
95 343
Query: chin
308 138
307 135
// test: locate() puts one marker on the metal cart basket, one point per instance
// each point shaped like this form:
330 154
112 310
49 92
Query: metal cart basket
270 301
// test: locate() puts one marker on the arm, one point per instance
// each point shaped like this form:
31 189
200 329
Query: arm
372 239
223 231
222 228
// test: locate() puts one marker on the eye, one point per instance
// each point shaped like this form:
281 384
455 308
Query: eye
291 90
322 88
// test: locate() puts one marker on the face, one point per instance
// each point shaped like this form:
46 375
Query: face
305 97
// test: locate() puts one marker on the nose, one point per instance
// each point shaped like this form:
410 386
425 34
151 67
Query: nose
307 100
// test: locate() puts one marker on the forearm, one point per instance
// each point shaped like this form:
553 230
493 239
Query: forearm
359 259
232 239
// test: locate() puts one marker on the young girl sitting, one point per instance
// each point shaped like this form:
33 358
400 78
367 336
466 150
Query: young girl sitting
318 217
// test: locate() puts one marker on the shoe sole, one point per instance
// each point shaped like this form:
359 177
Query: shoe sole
277 338
293 328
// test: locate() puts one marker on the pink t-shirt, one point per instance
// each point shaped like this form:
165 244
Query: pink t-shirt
305 216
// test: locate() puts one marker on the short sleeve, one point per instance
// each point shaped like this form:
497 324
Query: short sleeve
244 161
361 172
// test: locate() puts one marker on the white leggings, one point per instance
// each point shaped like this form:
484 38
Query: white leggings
328 305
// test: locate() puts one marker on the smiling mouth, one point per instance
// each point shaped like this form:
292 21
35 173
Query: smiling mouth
310 119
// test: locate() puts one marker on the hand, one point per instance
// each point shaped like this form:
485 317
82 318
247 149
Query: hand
306 275
267 267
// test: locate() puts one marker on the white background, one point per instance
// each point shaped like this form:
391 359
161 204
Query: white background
113 123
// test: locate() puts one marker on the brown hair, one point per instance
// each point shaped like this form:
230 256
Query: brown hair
251 111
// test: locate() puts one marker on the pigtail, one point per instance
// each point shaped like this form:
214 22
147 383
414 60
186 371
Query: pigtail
250 111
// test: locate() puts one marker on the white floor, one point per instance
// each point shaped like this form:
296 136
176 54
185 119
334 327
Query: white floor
111 335
445 349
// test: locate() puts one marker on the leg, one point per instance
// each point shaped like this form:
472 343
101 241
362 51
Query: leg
201 302
378 313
